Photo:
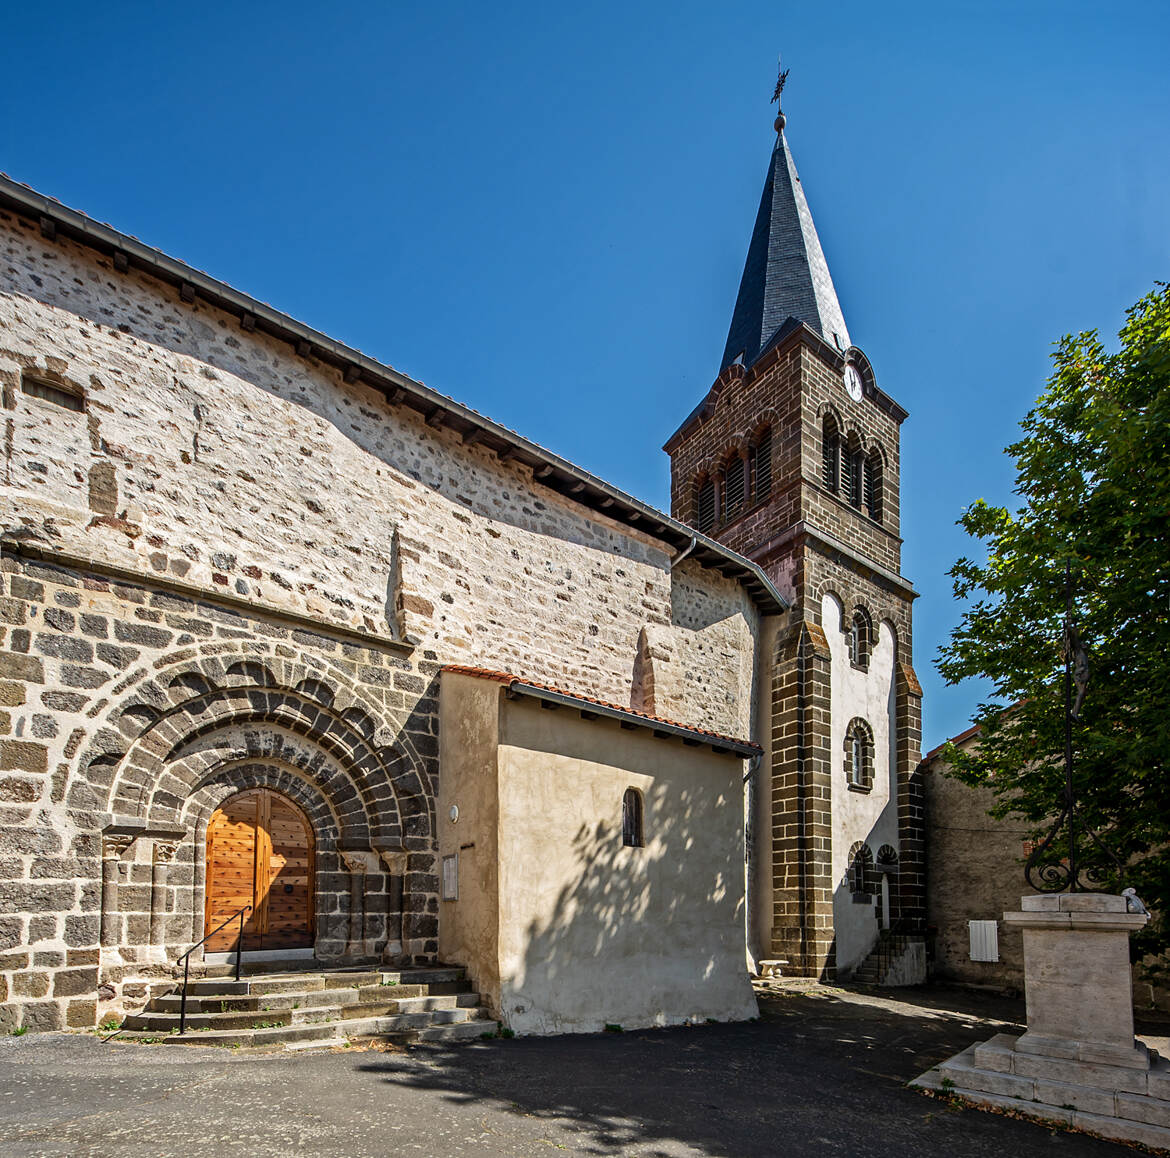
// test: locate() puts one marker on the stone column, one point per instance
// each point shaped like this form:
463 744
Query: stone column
164 853
114 847
360 864
395 862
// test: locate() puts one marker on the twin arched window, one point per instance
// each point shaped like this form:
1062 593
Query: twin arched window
859 755
850 473
743 482
633 835
861 875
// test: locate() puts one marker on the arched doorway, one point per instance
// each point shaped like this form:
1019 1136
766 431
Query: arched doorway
260 853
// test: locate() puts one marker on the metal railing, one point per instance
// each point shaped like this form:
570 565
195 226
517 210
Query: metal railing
186 959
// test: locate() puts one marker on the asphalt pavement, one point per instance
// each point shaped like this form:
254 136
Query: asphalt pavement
823 1072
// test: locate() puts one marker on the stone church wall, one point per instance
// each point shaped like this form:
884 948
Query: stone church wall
234 561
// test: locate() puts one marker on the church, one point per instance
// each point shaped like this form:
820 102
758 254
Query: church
303 660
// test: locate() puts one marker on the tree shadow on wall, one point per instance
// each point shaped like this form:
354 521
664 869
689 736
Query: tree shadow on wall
615 934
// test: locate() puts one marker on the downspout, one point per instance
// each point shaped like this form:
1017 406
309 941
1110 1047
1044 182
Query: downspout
749 856
679 558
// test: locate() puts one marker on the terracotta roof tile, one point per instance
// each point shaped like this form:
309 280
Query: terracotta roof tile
504 677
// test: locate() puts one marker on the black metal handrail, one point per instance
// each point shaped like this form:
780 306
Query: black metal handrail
186 959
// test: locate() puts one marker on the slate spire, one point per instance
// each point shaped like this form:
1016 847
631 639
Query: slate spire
785 275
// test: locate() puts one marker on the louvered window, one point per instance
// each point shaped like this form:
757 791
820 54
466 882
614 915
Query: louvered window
733 490
854 470
873 487
762 467
832 453
705 513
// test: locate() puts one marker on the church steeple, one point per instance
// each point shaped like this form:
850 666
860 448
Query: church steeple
785 275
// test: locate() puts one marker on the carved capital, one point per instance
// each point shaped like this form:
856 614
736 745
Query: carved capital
359 860
164 851
394 860
114 845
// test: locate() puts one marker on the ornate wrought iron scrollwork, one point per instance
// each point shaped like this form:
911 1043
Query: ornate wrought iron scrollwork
1049 869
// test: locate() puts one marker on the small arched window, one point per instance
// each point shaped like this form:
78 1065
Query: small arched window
860 870
632 833
705 505
859 756
860 638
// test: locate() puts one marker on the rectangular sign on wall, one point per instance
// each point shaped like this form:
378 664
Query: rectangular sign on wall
451 877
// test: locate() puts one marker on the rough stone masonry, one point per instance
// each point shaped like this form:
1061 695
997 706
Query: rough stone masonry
230 562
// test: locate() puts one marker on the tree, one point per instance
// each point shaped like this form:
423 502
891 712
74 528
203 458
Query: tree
1094 480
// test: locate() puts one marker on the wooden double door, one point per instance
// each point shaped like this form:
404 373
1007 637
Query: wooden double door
260 853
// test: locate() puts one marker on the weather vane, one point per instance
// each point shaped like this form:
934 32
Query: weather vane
781 80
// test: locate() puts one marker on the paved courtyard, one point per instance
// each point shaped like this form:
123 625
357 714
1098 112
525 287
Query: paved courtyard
822 1073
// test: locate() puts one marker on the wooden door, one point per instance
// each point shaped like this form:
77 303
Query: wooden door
260 853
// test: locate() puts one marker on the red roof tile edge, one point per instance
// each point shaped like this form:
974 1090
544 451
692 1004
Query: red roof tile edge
973 730
503 677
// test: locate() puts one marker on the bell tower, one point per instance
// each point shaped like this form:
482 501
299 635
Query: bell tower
792 459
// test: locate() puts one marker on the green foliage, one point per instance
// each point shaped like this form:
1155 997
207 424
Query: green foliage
1093 478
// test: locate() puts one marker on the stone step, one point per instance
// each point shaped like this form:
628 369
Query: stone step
464 1031
166 1020
294 983
266 968
308 980
279 1035
402 1022
1112 1113
153 1022
438 975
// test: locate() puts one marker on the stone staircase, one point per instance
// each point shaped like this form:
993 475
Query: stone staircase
298 1009
1114 1093
894 960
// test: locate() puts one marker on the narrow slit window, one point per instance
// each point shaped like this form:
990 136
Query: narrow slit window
632 834
859 756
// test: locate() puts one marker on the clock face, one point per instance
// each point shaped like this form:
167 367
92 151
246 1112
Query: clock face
853 382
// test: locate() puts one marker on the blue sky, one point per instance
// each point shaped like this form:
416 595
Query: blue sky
543 210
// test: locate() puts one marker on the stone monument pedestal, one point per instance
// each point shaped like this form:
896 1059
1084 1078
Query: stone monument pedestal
1078 1063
